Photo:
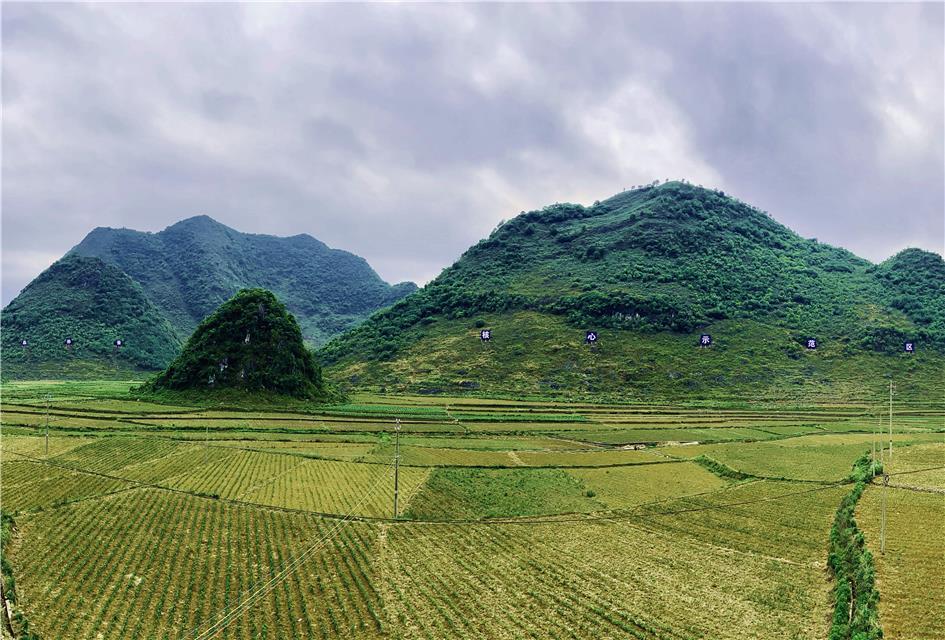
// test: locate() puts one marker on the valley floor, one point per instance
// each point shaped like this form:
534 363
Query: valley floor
516 519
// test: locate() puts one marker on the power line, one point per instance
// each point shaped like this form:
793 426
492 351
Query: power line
551 519
904 473
396 465
274 581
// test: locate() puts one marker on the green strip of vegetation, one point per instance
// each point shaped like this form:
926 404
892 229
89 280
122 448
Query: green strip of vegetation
856 612
721 470
20 625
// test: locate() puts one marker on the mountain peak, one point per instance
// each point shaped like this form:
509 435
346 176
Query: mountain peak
653 264
94 304
201 222
250 342
196 264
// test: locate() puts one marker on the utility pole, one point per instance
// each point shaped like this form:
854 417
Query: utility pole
890 421
47 425
396 464
882 528
874 446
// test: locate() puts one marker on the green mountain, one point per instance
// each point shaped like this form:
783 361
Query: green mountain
190 268
94 304
650 270
251 343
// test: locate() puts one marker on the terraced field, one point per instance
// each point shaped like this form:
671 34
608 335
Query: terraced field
911 572
517 519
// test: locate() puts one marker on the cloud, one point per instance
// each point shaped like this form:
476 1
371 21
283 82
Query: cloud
404 133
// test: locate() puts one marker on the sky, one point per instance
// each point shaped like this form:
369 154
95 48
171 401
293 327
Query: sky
405 132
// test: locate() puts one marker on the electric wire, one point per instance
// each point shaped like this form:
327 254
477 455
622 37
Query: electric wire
257 592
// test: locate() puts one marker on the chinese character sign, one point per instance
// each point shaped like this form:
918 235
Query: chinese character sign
485 335
909 347
811 343
705 340
591 337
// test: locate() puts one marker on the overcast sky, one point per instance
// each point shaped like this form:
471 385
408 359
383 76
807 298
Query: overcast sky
404 133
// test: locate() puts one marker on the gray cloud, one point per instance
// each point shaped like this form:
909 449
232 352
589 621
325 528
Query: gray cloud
404 133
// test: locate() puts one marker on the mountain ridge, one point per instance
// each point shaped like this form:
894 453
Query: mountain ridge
93 304
192 266
672 259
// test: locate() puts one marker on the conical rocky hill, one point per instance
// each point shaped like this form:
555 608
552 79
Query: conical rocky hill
251 343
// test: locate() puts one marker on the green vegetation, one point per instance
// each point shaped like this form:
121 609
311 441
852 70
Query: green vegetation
489 493
910 575
650 269
856 615
94 304
250 343
555 532
192 267
916 282
18 622
721 470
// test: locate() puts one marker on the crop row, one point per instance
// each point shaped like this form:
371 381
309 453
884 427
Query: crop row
337 487
577 580
150 564
106 455
154 564
36 446
31 486
910 574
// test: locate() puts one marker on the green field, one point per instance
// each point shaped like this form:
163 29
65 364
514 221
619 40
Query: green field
517 518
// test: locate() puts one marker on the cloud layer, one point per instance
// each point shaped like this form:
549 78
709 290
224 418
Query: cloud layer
404 133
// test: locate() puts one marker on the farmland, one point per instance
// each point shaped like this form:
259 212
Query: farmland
517 518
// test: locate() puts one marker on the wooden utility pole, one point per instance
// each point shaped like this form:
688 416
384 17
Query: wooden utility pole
47 425
882 528
396 464
890 421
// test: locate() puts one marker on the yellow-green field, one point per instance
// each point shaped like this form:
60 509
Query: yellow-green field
516 519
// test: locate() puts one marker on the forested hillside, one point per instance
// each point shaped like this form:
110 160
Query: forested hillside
250 343
93 304
190 268
651 268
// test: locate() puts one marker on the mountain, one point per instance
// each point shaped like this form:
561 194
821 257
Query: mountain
650 270
915 283
190 268
94 304
251 343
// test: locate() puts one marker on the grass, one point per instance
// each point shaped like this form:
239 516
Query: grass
537 354
813 457
921 466
623 487
655 545
487 493
910 575
152 564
